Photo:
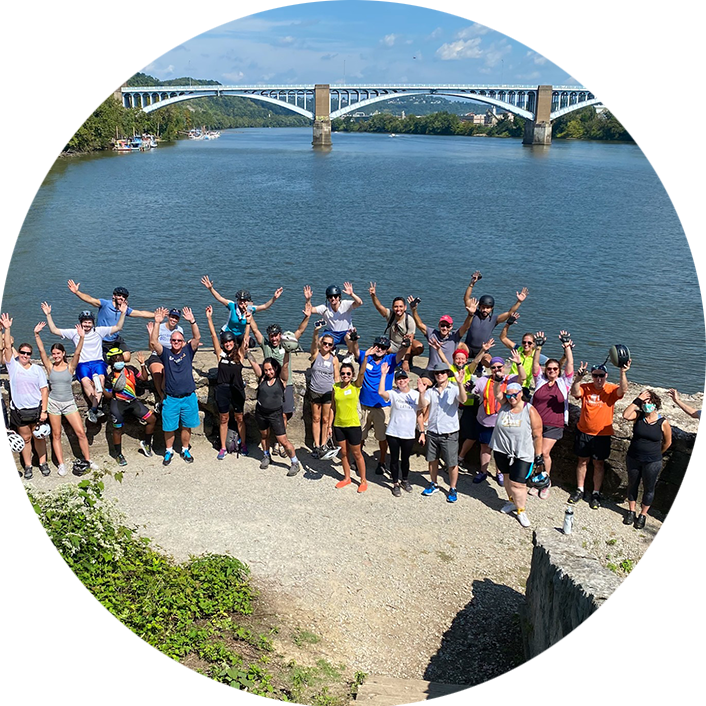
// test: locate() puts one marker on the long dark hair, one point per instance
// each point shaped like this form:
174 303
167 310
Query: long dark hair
275 366
391 320
60 347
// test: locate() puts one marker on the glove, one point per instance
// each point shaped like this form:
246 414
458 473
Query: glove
564 338
512 319
540 340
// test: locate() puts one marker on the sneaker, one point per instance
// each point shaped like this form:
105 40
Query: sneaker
28 472
508 507
544 492
146 448
61 470
265 462
92 417
380 469
685 533
168 456
93 465
221 454
315 453
595 501
122 461
294 469
629 517
522 518
243 449
44 468
186 455
501 479
158 408
640 521
430 489
100 414
406 486
452 497
576 496
533 492
479 477
396 490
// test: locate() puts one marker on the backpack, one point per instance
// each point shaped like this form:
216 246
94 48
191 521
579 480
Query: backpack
232 441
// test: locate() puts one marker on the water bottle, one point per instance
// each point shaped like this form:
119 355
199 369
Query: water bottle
568 519
97 383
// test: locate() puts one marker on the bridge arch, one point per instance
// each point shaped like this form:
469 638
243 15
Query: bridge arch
576 106
476 97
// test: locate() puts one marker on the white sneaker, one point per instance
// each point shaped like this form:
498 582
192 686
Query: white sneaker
61 470
508 507
523 519
685 533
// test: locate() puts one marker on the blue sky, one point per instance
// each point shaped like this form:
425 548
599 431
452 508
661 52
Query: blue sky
408 41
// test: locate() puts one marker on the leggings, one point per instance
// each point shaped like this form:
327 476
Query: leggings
647 471
395 445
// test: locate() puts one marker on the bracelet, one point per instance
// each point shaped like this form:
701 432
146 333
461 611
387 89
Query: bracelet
637 402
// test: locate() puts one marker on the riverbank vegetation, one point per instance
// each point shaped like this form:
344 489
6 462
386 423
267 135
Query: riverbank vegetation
203 613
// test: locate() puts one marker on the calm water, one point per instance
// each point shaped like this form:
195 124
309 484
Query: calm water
587 227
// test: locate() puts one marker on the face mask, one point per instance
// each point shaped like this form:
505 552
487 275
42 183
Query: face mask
648 407
119 365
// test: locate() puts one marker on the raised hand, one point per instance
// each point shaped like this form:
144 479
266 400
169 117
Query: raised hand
383 369
515 357
160 314
565 338
307 307
488 344
476 276
539 339
187 314
5 320
206 282
626 367
123 307
412 301
420 385
372 287
307 292
209 312
434 343
459 375
644 395
583 369
348 288
40 326
278 293
79 330
673 394
46 308
370 351
140 358
521 296
472 306
73 286
150 326
512 319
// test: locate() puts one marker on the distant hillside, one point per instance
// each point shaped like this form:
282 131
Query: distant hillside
426 105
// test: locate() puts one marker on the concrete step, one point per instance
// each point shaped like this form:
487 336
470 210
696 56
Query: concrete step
388 691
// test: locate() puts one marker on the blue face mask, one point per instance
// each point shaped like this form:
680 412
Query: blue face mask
119 365
648 407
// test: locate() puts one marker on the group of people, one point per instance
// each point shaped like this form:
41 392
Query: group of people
515 407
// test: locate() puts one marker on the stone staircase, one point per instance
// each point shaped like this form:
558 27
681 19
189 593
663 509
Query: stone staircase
387 691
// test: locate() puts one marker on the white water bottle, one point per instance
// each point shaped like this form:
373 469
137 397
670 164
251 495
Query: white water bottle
568 519
97 383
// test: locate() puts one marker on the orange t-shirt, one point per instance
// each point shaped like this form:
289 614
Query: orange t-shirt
597 408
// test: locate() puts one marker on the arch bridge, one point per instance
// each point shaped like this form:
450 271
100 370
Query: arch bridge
538 105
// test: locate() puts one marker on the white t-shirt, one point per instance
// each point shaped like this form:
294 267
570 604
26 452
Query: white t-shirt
340 320
403 414
26 384
165 334
443 409
92 342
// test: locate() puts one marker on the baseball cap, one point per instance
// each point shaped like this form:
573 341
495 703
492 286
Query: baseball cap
175 313
447 319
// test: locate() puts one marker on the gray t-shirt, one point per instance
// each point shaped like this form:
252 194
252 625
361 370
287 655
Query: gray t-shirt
321 380
512 435
448 345
397 331
480 331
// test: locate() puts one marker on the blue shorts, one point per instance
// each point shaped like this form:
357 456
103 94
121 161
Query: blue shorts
91 368
180 409
337 336
484 434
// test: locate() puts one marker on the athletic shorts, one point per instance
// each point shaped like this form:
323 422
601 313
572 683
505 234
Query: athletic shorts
518 471
468 422
288 407
321 397
227 396
337 336
351 435
271 420
587 446
154 358
444 447
184 410
118 342
61 407
118 408
549 432
377 418
484 434
696 474
91 368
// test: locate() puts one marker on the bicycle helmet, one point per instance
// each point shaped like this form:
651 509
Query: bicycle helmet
227 336
619 355
243 295
41 431
290 342
121 292
487 300
17 443
273 330
113 352
86 315
538 478
382 342
333 291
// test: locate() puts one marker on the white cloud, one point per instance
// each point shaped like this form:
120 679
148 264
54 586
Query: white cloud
287 40
544 59
237 76
389 39
436 33
692 28
598 31
496 52
468 49
475 30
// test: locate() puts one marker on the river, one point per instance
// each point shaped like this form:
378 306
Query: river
586 226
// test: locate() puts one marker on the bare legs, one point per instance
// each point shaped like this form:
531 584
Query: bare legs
74 419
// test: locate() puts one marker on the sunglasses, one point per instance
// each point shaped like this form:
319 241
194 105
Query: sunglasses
496 367
527 343
598 375
552 369
511 395
346 375
440 372
335 296
25 352
328 344
176 340
444 325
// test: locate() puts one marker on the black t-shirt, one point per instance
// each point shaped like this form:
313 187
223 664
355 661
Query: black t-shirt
270 397
178 376
230 372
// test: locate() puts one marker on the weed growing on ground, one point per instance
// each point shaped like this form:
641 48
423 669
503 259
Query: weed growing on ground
303 637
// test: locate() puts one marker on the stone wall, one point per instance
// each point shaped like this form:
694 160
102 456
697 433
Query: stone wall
592 639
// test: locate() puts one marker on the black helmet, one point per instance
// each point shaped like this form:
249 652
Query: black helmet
382 342
538 478
227 336
121 292
333 291
486 300
86 315
273 330
242 295
619 355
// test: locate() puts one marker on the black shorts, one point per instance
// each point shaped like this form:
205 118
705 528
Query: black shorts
518 471
154 358
288 407
119 342
270 420
352 435
468 423
587 446
321 397
119 407
555 433
227 396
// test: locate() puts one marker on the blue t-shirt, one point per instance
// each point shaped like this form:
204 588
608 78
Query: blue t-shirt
237 321
108 315
178 376
369 396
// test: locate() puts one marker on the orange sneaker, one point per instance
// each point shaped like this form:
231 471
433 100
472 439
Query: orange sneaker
362 487
343 483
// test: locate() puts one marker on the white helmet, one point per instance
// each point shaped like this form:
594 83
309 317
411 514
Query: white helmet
290 342
41 431
17 443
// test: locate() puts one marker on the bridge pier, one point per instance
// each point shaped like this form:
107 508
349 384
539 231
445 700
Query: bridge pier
322 116
539 130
